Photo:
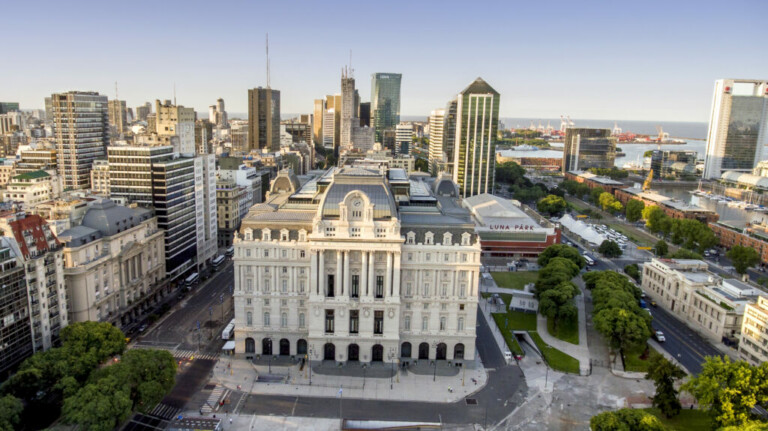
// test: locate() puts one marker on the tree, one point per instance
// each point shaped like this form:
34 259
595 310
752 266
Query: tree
634 210
609 203
147 375
10 413
664 375
556 303
551 205
729 390
99 406
558 270
623 328
610 249
594 195
661 248
684 253
633 271
743 258
625 420
654 216
561 250
749 426
421 165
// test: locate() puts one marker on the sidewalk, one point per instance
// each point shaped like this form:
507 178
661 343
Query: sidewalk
579 351
404 385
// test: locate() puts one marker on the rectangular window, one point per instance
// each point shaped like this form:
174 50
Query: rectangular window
355 293
329 321
408 289
329 287
425 323
379 286
378 322
407 323
354 321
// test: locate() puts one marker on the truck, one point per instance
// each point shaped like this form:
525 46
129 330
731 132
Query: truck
228 331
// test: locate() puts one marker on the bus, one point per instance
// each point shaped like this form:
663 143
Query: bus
191 281
231 251
218 262
590 261
229 331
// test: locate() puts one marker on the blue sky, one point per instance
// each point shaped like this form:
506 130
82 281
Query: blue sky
640 60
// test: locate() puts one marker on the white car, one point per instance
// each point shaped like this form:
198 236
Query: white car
659 336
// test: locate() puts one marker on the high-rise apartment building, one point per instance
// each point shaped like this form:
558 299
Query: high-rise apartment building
477 120
403 138
317 122
263 119
436 156
588 148
176 120
81 128
205 208
158 177
738 127
203 137
385 102
117 116
16 336
143 111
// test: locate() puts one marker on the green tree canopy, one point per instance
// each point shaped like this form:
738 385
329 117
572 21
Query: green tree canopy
100 406
664 375
10 413
610 249
609 203
625 420
684 253
743 258
594 195
661 248
633 271
634 210
551 205
654 219
623 328
729 390
561 250
556 303
421 165
147 375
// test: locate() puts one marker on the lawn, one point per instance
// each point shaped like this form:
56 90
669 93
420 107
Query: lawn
516 320
687 420
509 337
514 279
633 362
556 359
566 331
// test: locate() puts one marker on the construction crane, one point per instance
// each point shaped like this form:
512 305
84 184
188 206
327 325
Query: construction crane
647 182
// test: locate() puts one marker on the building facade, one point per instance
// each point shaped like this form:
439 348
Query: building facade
176 120
477 121
32 188
357 265
385 102
114 264
263 119
117 116
588 148
81 128
16 334
673 208
754 339
737 138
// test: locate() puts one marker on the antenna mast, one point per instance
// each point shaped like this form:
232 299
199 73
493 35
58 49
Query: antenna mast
174 94
268 83
116 98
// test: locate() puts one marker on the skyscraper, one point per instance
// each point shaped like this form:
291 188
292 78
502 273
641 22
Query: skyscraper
117 116
385 102
588 148
317 125
738 137
81 127
474 156
436 123
348 107
263 119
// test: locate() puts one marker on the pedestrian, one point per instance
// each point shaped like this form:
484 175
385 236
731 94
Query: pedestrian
230 421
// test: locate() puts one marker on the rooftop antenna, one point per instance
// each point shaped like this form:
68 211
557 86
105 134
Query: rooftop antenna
268 83
174 94
116 98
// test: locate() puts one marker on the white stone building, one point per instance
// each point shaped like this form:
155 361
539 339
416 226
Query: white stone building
754 339
357 265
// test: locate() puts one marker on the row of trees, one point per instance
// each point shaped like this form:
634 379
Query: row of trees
78 379
687 233
521 187
554 288
613 172
617 314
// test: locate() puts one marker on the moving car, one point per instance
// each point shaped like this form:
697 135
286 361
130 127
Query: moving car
659 336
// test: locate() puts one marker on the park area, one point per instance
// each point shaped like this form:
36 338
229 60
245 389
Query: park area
514 279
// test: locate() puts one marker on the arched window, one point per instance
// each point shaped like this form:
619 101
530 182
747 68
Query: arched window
283 320
266 318
249 318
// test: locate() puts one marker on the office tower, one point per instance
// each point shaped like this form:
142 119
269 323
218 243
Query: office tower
217 115
403 138
158 177
143 111
263 119
477 120
176 120
364 114
117 116
6 107
16 336
205 208
330 132
436 156
738 137
81 128
588 148
664 163
238 134
203 136
348 107
317 122
385 102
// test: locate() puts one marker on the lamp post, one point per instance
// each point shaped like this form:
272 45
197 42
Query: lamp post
364 373
311 352
392 366
434 362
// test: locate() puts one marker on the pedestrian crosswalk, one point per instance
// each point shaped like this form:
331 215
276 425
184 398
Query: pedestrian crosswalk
215 400
180 354
164 411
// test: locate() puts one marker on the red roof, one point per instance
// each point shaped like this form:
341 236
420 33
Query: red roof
36 228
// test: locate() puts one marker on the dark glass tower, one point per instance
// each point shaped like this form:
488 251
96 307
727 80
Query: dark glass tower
385 102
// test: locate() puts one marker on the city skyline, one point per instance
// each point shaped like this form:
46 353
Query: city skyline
639 63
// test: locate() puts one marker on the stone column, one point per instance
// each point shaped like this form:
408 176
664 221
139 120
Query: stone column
388 277
337 279
313 279
371 274
364 276
345 286
396 274
321 273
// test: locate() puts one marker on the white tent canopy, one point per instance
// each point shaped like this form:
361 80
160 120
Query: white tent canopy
582 229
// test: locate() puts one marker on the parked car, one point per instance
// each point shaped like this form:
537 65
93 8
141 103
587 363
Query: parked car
653 304
659 336
143 327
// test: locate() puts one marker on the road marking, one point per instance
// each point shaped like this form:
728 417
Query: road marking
293 410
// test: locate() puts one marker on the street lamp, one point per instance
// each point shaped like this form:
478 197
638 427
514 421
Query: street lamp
364 372
311 352
269 358
392 366
434 362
